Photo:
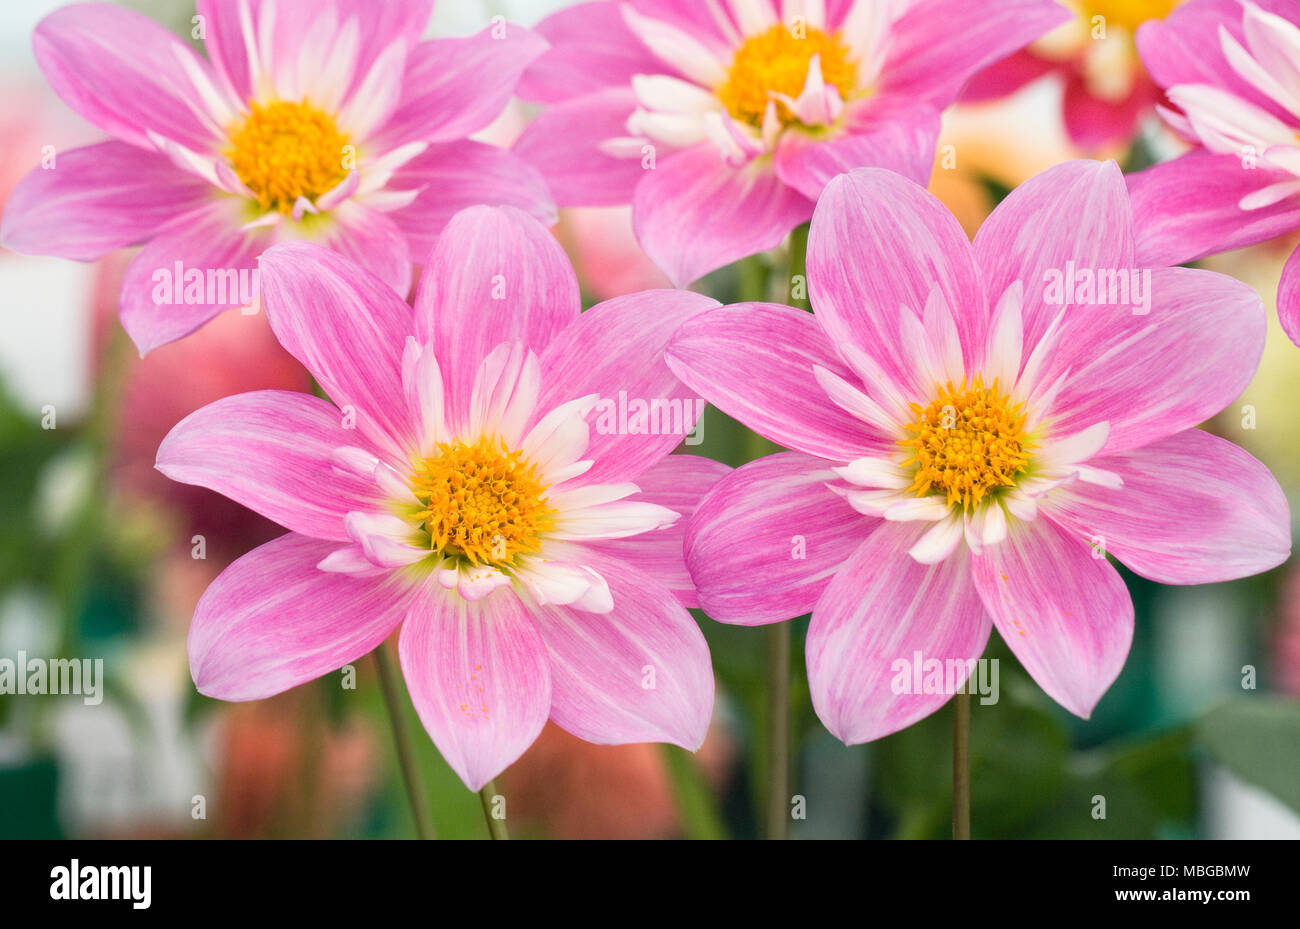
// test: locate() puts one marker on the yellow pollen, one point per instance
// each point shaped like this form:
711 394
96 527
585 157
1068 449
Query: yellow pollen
1128 13
284 151
970 440
482 502
777 61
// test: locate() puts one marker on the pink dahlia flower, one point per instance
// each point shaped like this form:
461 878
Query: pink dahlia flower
329 121
722 122
1233 70
968 441
459 491
1107 92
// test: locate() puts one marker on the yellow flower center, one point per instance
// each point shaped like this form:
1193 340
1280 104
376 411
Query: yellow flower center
777 62
482 502
284 151
1128 13
970 440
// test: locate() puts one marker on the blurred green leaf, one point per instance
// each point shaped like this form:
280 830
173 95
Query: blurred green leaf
1258 739
27 450
29 801
1147 785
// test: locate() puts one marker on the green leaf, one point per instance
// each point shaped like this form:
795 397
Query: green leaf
1258 739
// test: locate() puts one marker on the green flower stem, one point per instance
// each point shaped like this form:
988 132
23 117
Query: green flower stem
695 801
388 682
798 283
496 827
778 731
778 634
961 766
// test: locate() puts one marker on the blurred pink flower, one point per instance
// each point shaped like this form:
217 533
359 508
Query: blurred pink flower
1233 71
571 789
605 252
969 443
1286 655
32 125
1107 91
273 781
233 354
458 491
326 120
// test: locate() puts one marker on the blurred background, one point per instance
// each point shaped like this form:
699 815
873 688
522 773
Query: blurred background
102 558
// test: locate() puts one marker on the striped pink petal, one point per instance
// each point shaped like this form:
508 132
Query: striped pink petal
880 611
272 620
479 677
640 673
348 328
271 451
1061 608
768 538
1194 509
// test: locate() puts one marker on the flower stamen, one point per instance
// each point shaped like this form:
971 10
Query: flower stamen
969 441
284 151
483 502
1128 14
777 62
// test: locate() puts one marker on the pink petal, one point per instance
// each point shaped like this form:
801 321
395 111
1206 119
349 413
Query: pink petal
348 328
1095 123
376 95
453 176
616 351
1062 610
479 677
1184 47
496 275
1074 212
156 309
768 538
1153 375
455 87
565 141
937 46
696 212
373 240
879 245
1288 298
707 23
881 608
904 143
1194 509
679 482
591 49
272 620
640 673
718 352
270 451
1188 208
379 25
1007 76
122 72
227 43
96 200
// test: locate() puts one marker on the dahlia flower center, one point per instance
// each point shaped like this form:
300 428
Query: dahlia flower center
482 502
969 441
284 151
1129 13
776 62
